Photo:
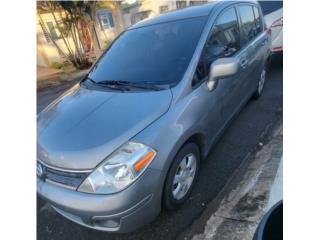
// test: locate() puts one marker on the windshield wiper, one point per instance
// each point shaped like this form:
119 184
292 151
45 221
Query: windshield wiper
107 84
144 85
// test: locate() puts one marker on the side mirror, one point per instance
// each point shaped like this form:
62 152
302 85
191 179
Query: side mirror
222 67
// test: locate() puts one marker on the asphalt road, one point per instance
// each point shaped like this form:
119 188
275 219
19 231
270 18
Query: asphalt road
247 130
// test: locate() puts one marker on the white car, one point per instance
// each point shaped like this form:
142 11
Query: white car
273 14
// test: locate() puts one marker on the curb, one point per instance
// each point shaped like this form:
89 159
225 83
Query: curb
238 208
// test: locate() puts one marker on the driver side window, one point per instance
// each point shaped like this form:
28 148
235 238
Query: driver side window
224 41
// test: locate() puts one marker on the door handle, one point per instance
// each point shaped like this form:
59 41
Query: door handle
244 62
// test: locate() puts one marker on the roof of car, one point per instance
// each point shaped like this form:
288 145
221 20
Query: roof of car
189 12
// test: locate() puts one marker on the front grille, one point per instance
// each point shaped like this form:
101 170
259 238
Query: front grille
70 179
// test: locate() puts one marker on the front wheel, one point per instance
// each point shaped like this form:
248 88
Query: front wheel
261 83
181 176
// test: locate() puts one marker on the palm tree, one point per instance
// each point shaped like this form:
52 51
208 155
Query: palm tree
83 13
76 22
74 17
54 7
41 7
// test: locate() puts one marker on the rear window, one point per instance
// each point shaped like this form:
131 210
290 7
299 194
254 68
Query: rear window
270 6
257 19
248 24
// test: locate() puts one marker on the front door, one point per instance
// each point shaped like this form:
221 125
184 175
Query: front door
223 41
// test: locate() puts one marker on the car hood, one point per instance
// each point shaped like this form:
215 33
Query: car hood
82 127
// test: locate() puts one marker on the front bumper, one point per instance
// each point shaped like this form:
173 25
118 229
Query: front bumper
125 211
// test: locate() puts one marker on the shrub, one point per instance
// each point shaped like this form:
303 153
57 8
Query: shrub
56 65
82 64
107 43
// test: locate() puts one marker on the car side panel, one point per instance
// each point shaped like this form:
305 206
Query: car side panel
198 113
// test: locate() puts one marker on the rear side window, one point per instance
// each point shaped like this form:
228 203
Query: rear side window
258 20
224 41
270 6
247 23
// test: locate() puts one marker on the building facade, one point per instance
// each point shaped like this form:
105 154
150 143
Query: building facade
144 9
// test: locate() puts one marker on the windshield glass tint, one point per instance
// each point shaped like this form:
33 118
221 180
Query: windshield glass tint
159 53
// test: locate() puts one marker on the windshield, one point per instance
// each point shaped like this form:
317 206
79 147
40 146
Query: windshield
156 54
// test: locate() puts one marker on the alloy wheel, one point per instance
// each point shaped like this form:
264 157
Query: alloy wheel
262 80
184 176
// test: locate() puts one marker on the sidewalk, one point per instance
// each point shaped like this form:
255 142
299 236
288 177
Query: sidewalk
48 77
46 72
250 193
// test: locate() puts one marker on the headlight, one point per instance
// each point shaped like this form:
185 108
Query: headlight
119 170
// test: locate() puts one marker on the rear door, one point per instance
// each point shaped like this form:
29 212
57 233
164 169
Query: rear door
261 45
253 44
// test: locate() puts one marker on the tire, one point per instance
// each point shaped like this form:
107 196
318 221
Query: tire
173 195
258 92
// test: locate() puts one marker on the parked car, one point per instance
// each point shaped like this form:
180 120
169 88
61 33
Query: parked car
273 14
129 138
271 225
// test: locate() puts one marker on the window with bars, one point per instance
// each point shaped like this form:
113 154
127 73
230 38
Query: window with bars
53 31
105 19
181 4
45 32
164 8
194 3
50 31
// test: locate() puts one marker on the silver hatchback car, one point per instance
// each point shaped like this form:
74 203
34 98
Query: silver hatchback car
129 138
